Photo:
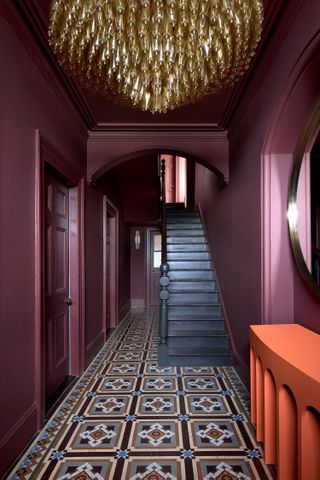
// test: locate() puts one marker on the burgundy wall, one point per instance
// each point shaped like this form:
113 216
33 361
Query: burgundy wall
137 180
231 218
234 216
133 185
27 103
94 270
108 185
138 269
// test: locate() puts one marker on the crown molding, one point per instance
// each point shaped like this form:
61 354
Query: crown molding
208 135
26 22
30 26
157 127
278 19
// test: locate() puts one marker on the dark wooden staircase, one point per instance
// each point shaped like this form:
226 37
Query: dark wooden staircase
196 328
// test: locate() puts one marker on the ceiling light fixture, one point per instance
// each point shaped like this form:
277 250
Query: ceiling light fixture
155 54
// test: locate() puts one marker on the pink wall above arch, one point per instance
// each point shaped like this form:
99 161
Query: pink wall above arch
291 130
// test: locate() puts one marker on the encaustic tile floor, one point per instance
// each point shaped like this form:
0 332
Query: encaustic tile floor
129 419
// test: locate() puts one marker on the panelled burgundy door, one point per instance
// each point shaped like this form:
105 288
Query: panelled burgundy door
56 284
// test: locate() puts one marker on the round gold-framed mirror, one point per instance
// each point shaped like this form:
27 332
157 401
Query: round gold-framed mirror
304 203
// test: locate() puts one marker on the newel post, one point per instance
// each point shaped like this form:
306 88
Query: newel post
164 295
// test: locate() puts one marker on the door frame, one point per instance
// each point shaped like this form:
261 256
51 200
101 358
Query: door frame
47 153
149 259
109 210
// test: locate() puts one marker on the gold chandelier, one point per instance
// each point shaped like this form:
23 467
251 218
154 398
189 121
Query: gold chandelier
155 54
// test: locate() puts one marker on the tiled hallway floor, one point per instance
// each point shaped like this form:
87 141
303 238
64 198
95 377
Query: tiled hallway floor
129 419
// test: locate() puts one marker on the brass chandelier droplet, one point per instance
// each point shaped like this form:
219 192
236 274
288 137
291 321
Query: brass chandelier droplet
155 54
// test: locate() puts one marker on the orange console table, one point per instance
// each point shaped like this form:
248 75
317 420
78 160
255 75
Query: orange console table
285 398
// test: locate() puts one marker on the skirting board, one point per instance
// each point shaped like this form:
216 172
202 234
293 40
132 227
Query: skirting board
138 303
16 439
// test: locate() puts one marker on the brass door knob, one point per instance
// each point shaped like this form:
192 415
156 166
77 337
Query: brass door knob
68 301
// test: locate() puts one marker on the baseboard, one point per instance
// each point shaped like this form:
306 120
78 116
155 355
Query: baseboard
124 310
242 369
137 303
17 438
94 346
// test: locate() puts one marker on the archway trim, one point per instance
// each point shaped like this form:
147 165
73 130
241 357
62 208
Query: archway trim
108 149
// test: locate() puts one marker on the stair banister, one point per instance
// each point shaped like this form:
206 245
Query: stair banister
164 268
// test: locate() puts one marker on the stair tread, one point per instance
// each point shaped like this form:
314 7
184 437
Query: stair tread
182 291
191 280
224 351
197 319
197 333
202 303
192 303
200 268
189 260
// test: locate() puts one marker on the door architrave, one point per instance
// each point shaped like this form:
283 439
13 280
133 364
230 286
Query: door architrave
149 259
47 153
109 210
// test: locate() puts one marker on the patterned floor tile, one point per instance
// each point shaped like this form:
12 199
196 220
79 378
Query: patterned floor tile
216 433
123 368
153 356
198 370
157 405
159 384
96 435
161 469
121 384
207 404
203 384
129 419
227 469
85 469
152 368
160 434
128 356
132 346
101 405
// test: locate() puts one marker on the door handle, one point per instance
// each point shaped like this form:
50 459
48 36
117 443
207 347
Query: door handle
68 301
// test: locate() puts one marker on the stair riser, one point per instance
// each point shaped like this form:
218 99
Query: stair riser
188 232
174 256
183 220
182 214
186 240
193 297
190 265
198 361
192 286
186 275
175 206
181 247
184 325
184 226
187 313
198 342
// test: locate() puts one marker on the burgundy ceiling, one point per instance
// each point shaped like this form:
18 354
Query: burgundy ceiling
208 112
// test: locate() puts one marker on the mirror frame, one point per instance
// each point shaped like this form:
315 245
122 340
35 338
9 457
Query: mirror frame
305 142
